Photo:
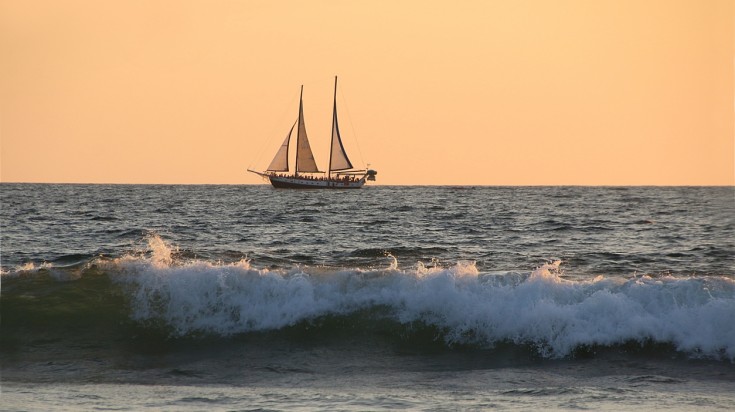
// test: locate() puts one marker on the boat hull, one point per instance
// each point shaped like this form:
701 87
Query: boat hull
300 183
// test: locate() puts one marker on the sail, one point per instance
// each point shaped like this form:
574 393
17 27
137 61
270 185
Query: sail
338 157
280 161
304 157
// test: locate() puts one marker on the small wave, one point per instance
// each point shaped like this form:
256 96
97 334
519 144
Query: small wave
104 219
184 372
71 259
654 379
286 370
133 234
544 391
399 252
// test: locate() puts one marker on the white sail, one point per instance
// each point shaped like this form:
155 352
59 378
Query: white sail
304 157
280 161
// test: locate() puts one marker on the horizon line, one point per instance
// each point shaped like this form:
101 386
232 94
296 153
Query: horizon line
379 185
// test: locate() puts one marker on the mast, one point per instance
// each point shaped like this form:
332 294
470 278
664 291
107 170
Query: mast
298 130
334 124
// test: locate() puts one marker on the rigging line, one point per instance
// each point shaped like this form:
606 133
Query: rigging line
272 134
352 126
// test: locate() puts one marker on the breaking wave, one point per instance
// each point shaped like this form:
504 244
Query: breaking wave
541 308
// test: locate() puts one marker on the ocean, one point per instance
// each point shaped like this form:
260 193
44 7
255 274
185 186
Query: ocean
155 297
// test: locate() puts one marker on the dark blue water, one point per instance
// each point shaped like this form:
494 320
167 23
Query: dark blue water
246 297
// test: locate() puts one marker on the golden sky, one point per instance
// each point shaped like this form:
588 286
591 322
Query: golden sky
491 92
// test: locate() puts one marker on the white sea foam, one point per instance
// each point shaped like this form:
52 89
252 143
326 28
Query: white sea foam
540 307
25 269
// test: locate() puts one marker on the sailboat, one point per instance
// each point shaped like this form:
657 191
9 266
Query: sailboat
339 175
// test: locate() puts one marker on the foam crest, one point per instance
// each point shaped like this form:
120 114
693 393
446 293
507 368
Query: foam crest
540 307
26 269
161 252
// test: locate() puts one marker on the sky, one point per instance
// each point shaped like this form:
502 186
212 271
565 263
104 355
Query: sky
491 92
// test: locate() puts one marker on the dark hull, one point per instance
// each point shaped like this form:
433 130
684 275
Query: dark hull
293 183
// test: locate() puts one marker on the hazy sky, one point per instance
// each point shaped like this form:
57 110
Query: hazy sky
490 92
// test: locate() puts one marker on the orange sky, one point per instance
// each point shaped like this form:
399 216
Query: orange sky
488 92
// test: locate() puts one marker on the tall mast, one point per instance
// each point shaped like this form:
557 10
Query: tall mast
298 130
334 124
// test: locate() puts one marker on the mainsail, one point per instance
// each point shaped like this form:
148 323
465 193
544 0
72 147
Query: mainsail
304 157
338 159
280 161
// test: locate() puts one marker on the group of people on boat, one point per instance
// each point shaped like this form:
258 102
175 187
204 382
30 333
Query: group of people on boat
318 178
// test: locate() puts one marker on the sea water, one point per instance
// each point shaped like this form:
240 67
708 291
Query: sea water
125 297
